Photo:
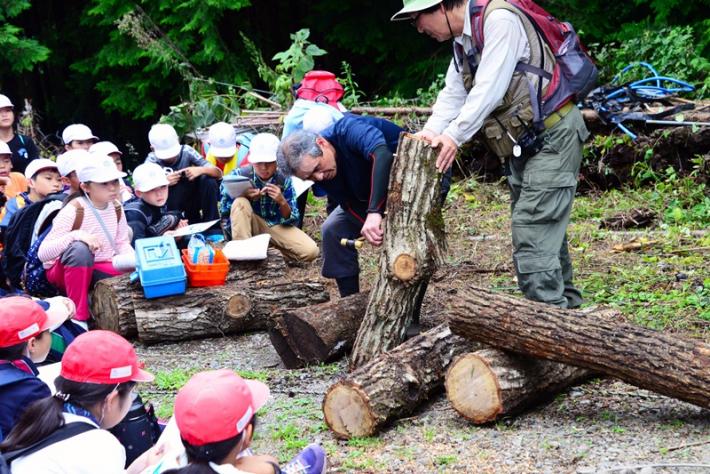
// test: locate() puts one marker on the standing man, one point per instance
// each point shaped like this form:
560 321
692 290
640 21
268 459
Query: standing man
490 83
351 162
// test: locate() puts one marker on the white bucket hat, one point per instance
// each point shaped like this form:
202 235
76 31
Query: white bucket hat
164 140
99 169
149 176
5 102
4 148
72 160
222 139
263 148
77 131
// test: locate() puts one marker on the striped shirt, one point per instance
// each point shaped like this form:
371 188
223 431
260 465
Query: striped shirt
62 235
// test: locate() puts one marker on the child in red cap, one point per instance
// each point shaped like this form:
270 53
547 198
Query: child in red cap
99 371
215 413
25 339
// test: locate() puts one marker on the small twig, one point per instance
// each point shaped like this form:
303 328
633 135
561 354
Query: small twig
688 249
268 101
688 445
639 466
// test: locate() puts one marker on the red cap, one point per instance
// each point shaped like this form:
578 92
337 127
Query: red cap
102 357
217 405
21 318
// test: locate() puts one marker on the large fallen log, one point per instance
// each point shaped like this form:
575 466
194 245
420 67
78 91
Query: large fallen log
668 364
485 385
319 333
221 310
112 306
414 238
392 384
251 293
112 298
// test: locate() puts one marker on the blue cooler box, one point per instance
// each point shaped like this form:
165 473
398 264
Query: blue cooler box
159 267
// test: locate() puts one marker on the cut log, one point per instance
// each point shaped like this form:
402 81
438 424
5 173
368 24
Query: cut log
487 384
278 334
219 310
664 363
112 306
414 239
392 384
323 332
112 298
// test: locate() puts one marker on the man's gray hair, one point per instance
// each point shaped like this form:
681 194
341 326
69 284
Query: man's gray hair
293 148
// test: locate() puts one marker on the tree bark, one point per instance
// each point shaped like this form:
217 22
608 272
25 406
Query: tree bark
665 363
322 332
392 384
112 306
414 238
219 310
487 384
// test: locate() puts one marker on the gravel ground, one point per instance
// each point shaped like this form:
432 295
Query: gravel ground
601 426
598 426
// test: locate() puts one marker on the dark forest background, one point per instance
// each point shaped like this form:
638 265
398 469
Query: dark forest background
120 65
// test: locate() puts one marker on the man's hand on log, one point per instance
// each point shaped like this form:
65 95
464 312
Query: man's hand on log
447 154
426 134
372 229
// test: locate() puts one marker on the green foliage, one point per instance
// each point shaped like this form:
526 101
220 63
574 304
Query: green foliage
674 51
353 94
151 44
293 64
17 52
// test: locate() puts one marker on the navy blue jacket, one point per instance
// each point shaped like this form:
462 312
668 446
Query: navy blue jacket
18 390
360 185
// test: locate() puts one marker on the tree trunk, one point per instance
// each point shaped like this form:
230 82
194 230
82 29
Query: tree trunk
219 310
322 332
392 384
278 334
112 298
112 305
413 242
665 363
487 384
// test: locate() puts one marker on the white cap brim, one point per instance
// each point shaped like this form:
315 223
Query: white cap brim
167 153
156 183
223 152
262 158
60 310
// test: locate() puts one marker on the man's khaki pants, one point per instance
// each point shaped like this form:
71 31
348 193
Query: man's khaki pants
542 195
290 240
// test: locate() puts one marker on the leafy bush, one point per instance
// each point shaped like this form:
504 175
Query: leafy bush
675 51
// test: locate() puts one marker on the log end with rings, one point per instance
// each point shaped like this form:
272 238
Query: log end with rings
404 267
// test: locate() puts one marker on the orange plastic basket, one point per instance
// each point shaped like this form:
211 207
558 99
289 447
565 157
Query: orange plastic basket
206 274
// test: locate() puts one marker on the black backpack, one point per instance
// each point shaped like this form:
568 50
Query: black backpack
18 237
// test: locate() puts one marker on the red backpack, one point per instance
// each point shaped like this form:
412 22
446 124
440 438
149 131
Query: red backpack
574 74
320 86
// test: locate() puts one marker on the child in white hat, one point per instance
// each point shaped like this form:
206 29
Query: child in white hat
78 135
108 148
269 207
43 178
87 234
193 182
147 214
